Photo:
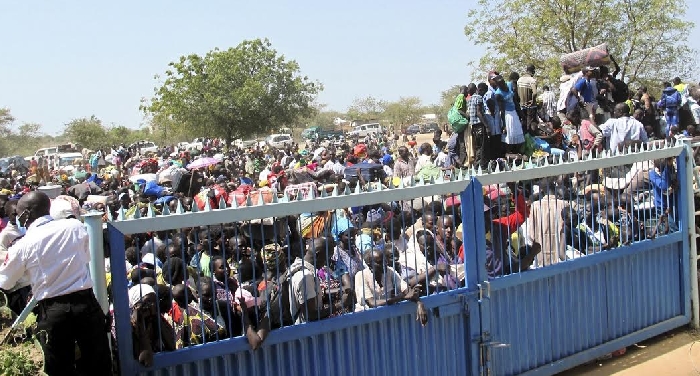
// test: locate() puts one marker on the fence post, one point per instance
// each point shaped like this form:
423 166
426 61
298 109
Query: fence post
474 240
689 199
93 223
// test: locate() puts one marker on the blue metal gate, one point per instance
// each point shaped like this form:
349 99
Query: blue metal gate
379 341
542 321
552 319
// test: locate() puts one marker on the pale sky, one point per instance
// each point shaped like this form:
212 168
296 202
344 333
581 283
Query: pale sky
65 60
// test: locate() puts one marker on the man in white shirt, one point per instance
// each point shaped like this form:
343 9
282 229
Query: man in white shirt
622 128
380 285
54 256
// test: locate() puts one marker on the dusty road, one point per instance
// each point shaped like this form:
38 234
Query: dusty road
668 354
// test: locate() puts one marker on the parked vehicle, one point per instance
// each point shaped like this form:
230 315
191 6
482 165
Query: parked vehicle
277 141
69 161
45 152
330 135
54 150
145 146
310 133
365 130
242 144
413 129
429 128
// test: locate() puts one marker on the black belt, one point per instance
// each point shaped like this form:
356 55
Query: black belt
73 297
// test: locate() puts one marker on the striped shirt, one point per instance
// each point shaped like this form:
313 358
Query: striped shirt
549 103
474 103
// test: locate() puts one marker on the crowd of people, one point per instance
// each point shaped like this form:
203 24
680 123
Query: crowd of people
510 117
195 285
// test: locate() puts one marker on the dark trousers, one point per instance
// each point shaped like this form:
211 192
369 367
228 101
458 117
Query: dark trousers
462 150
480 143
18 299
69 319
494 147
531 122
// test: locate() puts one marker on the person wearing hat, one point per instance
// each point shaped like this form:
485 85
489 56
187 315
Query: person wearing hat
388 164
151 332
54 257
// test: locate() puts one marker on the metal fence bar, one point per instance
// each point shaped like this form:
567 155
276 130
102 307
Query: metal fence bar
689 219
240 214
93 224
122 313
208 231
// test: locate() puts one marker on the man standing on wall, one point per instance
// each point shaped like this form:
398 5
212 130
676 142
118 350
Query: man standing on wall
527 90
54 256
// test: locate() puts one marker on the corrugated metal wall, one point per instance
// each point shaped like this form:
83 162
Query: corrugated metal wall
551 318
396 344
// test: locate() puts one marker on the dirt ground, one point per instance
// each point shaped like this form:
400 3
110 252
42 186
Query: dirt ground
671 353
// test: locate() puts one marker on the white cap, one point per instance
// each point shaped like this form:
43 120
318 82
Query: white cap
150 258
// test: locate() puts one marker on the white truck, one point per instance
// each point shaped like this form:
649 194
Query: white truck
364 130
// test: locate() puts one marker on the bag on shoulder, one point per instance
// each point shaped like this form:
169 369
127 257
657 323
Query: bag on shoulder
456 120
278 297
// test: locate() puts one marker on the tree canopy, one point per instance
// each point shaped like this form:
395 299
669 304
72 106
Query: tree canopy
238 92
92 134
24 140
647 38
367 108
407 110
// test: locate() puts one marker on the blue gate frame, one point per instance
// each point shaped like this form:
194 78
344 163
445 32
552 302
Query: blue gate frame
377 341
516 324
552 319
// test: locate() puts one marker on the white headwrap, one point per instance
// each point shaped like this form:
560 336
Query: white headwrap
137 292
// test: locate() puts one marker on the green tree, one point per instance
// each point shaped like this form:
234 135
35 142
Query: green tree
368 108
27 139
88 132
322 117
6 120
647 38
234 93
407 110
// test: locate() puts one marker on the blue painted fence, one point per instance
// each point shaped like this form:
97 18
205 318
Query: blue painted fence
541 321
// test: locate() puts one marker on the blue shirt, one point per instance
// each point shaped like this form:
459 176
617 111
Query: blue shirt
509 105
585 88
660 184
494 119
